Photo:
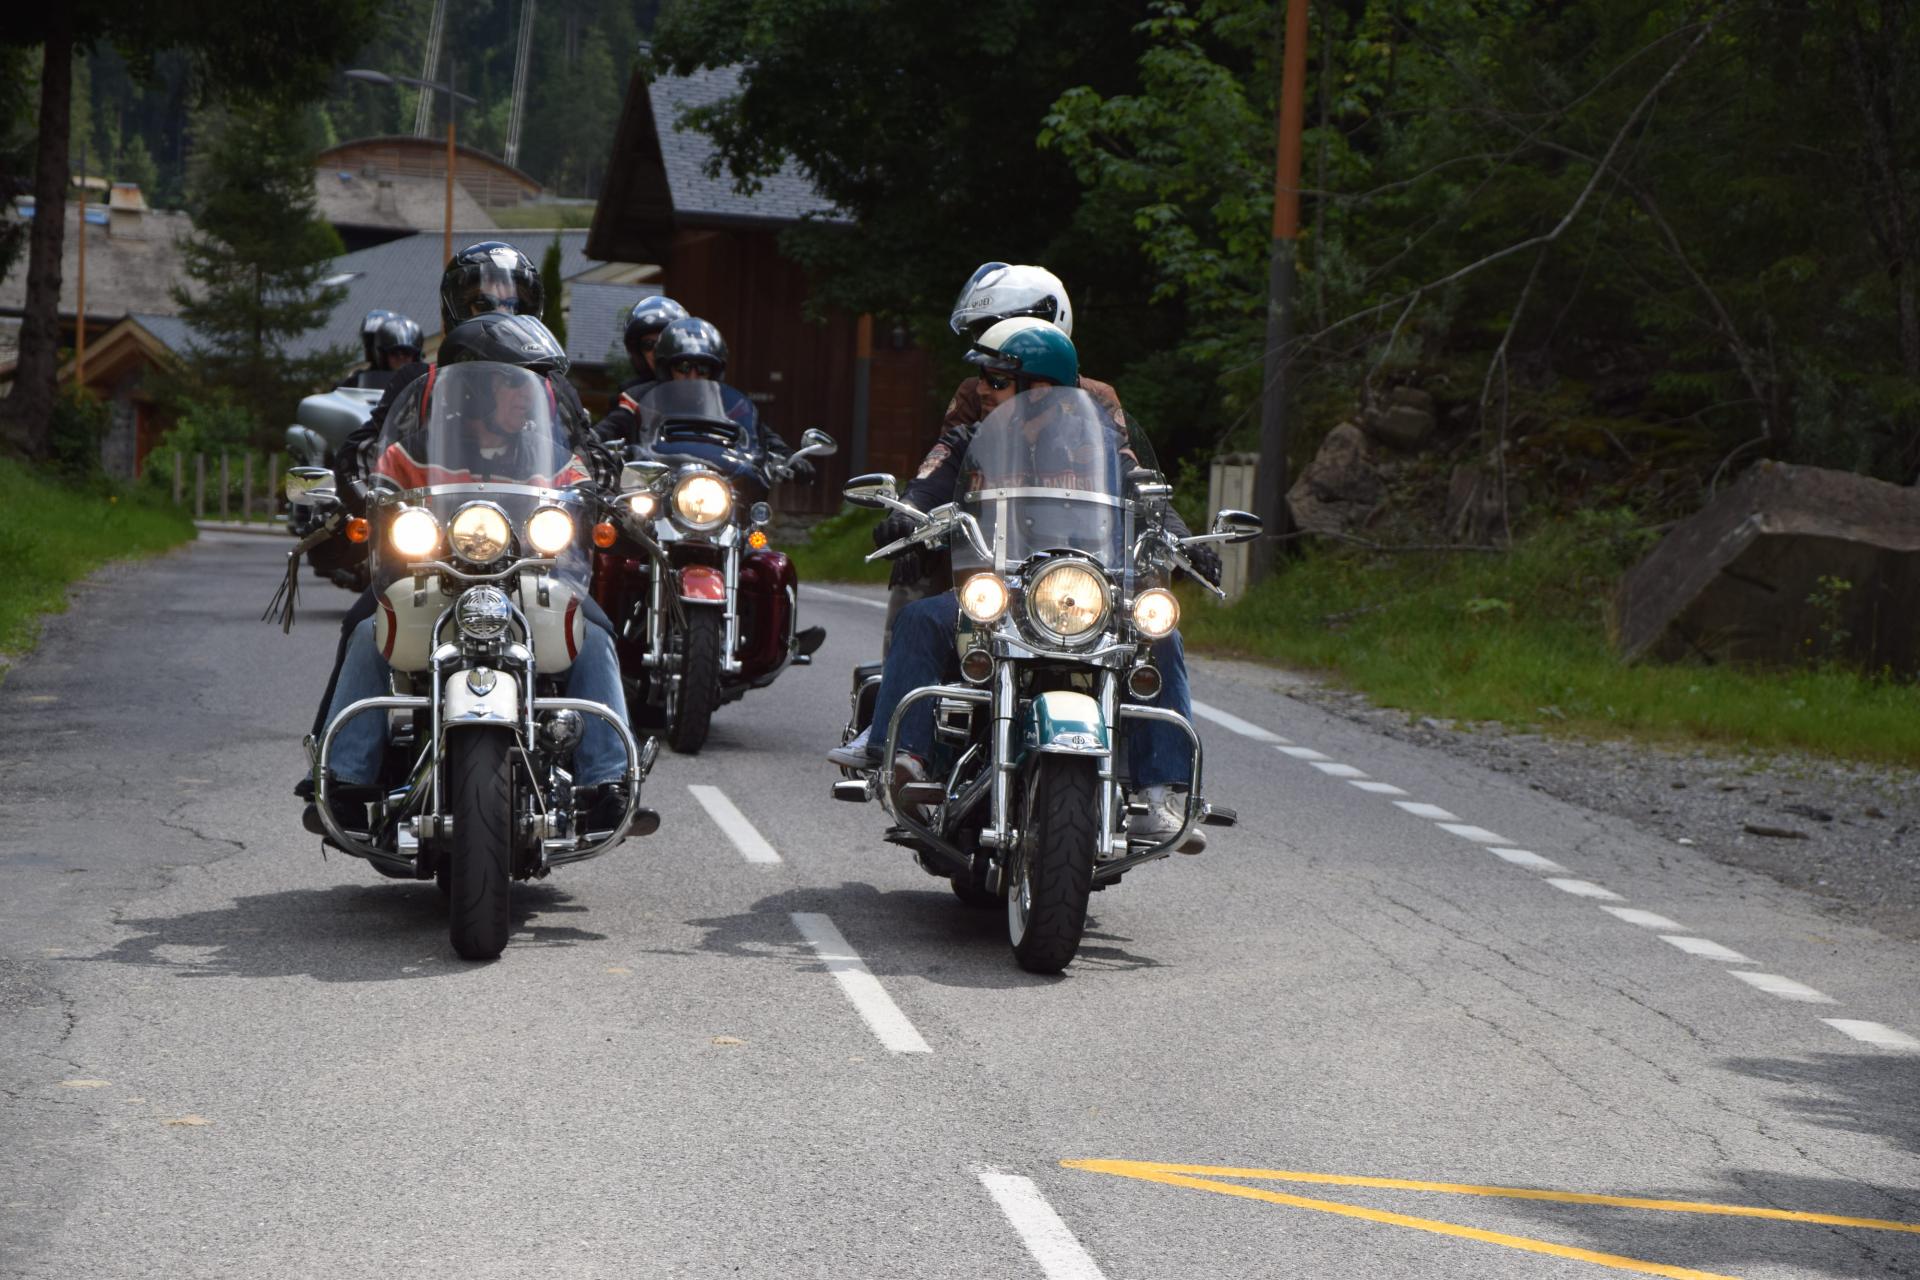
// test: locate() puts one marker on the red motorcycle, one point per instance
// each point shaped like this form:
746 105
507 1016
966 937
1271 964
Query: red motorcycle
709 611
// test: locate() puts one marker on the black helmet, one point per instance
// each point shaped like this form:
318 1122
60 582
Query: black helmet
490 276
648 317
691 339
504 339
369 327
396 333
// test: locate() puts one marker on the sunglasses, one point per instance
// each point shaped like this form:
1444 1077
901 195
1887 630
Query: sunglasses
487 302
689 366
997 381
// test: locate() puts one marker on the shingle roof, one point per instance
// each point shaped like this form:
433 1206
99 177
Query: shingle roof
124 273
785 196
597 319
171 331
350 199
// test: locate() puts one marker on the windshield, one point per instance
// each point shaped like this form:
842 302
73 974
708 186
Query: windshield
692 412
477 423
1047 471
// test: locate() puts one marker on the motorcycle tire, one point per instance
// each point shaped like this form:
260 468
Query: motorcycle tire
480 854
1052 873
691 700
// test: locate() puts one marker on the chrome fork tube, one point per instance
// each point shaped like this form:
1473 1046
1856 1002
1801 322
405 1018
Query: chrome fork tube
1109 716
1004 705
730 657
656 610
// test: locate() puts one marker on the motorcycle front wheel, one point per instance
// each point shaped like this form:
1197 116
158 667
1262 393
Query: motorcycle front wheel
480 802
692 697
1052 875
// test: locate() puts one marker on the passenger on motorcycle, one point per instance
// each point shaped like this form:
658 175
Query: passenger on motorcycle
644 323
495 445
1014 356
392 342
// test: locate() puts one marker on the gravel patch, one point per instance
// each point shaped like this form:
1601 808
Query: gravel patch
1849 834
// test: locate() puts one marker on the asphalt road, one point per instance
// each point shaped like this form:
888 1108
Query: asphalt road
763 1043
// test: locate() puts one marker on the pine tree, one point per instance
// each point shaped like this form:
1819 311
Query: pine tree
553 315
257 257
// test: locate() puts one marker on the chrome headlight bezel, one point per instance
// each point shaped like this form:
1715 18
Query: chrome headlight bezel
462 538
554 546
418 525
483 613
685 487
1034 599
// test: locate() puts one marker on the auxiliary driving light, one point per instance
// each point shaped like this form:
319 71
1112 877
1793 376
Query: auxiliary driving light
1156 612
644 505
550 530
984 597
977 666
414 533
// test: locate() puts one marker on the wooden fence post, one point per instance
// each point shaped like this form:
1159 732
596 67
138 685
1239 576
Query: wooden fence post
179 477
199 486
246 488
272 485
226 478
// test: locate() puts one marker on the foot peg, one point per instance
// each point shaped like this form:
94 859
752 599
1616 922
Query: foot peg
1218 815
854 791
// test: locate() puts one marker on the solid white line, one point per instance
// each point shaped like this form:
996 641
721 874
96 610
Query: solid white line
869 998
1527 858
1479 835
1873 1033
1582 888
1047 1238
1419 810
1378 788
752 846
1333 769
1705 949
1301 753
1646 919
842 595
1786 988
1227 720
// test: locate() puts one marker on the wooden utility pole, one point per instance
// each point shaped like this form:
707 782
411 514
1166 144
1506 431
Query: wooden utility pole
1272 477
80 282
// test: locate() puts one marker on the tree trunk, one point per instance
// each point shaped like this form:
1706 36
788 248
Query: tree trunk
26 414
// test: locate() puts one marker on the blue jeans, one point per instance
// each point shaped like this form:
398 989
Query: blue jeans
362 741
923 654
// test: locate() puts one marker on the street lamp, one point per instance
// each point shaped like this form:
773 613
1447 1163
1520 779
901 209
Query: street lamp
455 97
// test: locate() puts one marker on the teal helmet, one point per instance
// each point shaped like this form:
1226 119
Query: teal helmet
1028 348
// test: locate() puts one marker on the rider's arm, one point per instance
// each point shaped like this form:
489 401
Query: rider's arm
940 471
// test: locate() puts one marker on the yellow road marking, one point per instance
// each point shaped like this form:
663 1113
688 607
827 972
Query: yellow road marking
1203 1178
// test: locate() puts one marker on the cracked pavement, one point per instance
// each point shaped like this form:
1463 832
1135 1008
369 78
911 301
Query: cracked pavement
221 1055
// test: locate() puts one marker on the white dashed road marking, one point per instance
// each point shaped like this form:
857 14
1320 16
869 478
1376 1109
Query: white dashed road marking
1527 858
1582 888
1301 753
1227 720
844 596
869 998
1047 1238
1645 919
1786 988
1479 835
1433 811
1705 949
751 844
1334 769
1378 788
1874 1033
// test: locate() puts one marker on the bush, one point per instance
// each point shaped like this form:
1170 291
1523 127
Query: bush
80 422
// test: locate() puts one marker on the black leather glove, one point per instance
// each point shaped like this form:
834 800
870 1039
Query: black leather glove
799 468
1206 560
897 525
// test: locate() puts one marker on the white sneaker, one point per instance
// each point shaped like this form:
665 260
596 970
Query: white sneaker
1166 811
856 754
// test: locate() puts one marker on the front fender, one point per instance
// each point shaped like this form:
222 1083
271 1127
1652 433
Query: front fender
499 705
1065 723
703 584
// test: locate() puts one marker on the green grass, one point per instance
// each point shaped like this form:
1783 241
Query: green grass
50 537
1521 638
834 548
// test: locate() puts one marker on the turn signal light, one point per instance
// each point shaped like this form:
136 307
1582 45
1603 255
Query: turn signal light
358 530
604 535
757 540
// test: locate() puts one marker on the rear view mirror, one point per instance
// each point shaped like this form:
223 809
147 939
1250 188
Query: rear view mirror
875 489
643 474
1238 526
816 443
304 480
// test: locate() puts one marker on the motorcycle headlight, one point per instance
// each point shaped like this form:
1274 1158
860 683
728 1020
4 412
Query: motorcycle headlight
644 505
702 502
550 530
483 613
480 532
1068 599
414 533
1156 612
984 597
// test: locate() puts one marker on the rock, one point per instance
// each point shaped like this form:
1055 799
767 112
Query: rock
1778 833
1340 488
1404 422
1789 565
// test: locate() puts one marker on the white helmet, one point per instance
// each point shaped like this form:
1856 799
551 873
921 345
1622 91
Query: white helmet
996 291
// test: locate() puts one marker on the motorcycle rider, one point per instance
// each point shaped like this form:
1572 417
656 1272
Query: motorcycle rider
493 432
1014 356
692 348
392 342
644 323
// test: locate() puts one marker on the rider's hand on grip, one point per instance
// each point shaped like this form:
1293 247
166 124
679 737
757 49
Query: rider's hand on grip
1204 558
896 526
798 468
